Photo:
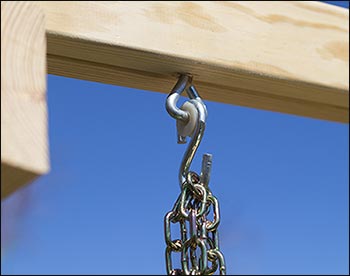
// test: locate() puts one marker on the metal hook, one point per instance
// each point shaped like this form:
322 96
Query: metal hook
184 83
173 97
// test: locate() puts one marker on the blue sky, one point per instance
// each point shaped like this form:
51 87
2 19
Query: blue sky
282 182
344 4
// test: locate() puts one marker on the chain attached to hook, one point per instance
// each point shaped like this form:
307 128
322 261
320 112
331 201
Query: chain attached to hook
196 201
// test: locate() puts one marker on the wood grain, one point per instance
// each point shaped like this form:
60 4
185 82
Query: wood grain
24 153
285 56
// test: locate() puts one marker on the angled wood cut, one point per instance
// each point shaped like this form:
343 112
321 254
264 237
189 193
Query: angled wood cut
290 57
23 95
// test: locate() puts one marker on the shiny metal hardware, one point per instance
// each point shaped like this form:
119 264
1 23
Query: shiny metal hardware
198 235
184 83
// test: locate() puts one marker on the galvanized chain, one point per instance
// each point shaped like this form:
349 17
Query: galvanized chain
199 242
191 210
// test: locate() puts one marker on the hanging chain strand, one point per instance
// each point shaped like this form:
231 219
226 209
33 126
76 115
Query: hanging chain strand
191 211
199 241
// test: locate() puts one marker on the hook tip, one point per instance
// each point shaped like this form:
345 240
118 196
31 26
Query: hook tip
181 139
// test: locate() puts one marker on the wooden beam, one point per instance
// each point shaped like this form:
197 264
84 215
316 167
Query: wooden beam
290 57
23 95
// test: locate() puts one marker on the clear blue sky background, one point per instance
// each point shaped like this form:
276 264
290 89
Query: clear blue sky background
282 181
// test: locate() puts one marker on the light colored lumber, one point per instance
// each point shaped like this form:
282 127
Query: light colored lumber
290 57
23 95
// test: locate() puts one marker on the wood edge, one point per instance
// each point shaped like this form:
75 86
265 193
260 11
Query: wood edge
14 178
109 74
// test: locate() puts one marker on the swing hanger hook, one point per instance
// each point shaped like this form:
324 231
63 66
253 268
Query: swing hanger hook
191 120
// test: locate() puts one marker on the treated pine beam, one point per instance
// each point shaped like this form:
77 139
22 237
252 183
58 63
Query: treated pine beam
290 57
24 153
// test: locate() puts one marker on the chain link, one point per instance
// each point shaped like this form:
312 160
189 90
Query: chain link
199 242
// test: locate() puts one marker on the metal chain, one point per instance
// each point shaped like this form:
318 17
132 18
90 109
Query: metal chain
198 234
199 241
